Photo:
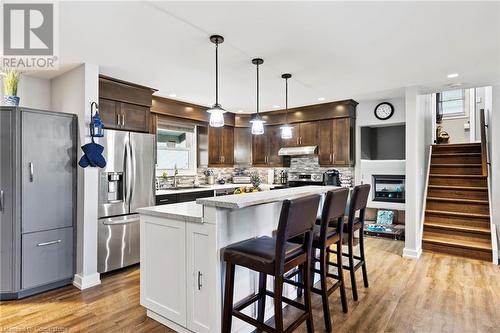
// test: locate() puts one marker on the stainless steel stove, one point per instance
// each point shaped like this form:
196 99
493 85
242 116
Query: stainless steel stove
305 178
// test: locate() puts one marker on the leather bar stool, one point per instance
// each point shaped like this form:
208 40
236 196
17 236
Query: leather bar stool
274 256
327 232
357 206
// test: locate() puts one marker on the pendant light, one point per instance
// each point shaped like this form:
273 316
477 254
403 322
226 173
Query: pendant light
286 129
216 111
257 122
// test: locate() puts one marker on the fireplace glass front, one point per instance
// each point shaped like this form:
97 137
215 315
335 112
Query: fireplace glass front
389 188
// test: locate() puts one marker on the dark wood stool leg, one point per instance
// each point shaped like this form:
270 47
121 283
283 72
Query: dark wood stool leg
362 255
262 299
300 279
340 272
323 257
306 269
228 299
278 305
351 266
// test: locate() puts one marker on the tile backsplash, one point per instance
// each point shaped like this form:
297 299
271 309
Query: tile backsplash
297 163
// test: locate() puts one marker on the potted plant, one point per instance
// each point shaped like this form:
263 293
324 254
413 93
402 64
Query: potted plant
255 180
10 82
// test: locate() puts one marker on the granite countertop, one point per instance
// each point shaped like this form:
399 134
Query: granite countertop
236 201
211 188
184 211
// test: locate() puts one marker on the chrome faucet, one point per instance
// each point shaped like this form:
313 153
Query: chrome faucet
175 184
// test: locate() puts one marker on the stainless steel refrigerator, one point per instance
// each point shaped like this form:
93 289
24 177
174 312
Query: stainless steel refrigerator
127 183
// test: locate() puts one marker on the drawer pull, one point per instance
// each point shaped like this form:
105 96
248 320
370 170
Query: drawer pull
49 243
200 284
164 200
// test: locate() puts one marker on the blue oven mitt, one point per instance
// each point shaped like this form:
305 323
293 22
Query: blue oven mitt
92 156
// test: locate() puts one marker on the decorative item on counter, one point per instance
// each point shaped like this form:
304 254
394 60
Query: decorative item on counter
345 180
255 179
96 124
247 189
196 181
92 152
10 81
210 176
164 175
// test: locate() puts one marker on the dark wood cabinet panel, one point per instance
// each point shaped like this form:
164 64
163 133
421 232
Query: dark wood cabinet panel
325 146
309 133
134 117
342 142
109 112
221 146
259 149
242 146
274 145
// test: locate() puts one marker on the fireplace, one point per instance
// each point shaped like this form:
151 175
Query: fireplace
389 188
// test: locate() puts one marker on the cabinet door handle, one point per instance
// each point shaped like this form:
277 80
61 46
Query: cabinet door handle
118 119
298 140
32 172
200 284
49 243
123 119
330 157
1 201
333 157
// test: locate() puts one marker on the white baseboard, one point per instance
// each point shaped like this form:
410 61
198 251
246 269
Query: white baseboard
495 257
412 253
88 281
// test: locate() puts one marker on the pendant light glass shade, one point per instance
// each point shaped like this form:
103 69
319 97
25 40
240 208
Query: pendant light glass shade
257 125
286 130
216 116
257 122
216 111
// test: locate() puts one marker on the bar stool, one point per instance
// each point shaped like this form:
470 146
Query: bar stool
327 232
359 199
274 256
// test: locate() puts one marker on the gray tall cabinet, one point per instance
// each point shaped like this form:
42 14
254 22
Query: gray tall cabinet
37 200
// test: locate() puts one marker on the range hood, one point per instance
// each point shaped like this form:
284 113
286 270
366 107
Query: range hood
296 151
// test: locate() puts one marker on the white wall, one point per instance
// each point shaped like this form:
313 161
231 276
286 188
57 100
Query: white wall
418 141
366 168
34 92
73 92
492 105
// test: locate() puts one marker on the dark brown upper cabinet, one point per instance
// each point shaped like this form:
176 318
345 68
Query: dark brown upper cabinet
265 147
124 105
304 134
221 146
336 142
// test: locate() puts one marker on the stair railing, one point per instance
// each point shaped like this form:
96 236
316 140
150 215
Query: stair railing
485 165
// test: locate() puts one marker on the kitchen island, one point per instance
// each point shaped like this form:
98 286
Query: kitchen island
182 271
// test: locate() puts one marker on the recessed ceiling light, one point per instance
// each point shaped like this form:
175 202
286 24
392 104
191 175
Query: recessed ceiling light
276 106
321 98
454 85
240 111
172 95
452 75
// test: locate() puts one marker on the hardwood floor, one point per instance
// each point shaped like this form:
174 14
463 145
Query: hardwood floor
437 293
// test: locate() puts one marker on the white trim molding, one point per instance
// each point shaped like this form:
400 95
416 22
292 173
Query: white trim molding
85 282
412 253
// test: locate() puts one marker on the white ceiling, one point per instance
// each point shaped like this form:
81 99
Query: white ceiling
334 50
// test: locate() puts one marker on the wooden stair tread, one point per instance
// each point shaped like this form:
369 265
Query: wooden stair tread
443 240
458 214
476 201
461 228
461 165
455 154
454 145
455 176
455 187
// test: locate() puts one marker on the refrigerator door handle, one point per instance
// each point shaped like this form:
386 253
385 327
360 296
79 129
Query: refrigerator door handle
128 173
32 171
133 170
1 201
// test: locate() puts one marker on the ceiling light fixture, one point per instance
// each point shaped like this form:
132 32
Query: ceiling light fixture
216 111
286 129
452 75
257 122
276 106
172 95
321 98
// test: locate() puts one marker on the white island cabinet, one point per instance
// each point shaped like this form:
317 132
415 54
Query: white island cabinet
182 269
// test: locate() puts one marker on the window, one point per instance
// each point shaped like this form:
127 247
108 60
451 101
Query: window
176 148
451 103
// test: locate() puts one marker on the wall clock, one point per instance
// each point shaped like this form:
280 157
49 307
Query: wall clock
384 111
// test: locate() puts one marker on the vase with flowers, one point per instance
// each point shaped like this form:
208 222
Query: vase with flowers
10 82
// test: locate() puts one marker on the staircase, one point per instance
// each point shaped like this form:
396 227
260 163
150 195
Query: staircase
457 219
